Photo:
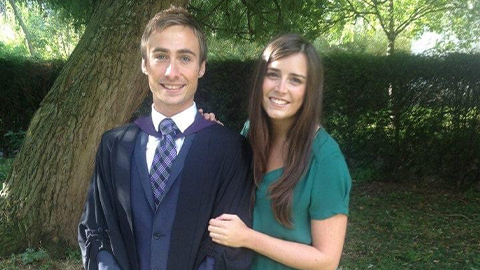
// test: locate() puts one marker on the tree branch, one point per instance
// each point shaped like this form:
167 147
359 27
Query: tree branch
415 16
211 11
379 16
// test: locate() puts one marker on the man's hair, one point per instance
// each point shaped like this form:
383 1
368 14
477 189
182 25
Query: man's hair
171 17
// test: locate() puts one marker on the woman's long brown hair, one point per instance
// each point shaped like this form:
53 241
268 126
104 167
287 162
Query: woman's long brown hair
300 135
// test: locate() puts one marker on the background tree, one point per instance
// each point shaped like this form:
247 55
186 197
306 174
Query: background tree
403 17
98 89
339 21
51 33
25 29
258 20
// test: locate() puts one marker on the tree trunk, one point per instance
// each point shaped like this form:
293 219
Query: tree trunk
391 46
28 37
100 87
391 35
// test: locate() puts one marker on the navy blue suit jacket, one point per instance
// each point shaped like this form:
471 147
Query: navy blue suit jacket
215 180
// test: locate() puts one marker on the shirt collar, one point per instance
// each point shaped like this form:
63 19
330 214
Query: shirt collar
182 119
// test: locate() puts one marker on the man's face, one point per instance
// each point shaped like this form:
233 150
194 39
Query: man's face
173 67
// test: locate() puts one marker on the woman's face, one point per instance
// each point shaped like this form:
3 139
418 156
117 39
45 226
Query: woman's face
284 87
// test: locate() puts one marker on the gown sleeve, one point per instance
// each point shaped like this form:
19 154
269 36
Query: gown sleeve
233 197
93 230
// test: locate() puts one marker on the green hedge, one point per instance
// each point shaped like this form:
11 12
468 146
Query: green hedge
407 116
23 84
395 117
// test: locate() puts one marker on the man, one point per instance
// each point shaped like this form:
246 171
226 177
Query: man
158 181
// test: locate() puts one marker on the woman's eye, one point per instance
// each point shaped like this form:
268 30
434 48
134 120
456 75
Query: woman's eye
272 75
296 80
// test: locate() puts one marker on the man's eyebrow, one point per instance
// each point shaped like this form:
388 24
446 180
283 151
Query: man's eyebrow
159 49
187 51
293 74
182 51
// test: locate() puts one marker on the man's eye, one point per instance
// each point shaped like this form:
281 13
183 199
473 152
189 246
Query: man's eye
161 57
186 59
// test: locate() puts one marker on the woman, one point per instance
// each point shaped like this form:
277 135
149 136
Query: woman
303 184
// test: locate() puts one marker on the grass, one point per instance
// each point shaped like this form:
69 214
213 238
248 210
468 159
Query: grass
407 226
40 259
391 226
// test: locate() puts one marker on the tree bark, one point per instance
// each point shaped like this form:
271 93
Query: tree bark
100 87
391 35
391 46
28 37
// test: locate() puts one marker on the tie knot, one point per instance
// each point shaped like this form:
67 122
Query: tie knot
168 127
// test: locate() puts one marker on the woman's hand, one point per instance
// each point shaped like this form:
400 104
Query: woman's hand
209 116
228 230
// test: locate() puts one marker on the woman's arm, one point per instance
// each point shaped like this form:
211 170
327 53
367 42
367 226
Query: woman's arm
328 236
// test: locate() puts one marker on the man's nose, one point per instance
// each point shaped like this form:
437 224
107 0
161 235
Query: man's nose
172 71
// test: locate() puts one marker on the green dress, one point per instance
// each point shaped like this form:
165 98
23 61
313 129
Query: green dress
322 193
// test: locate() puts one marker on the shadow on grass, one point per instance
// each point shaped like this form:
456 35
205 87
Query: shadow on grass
408 226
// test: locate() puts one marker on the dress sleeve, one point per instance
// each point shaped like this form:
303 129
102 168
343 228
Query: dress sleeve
331 187
245 128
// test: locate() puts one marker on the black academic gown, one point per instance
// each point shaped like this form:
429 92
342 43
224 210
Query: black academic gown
215 180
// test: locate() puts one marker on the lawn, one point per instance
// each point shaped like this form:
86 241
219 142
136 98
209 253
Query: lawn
408 226
391 226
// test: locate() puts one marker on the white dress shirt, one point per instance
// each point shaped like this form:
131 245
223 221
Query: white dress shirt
183 120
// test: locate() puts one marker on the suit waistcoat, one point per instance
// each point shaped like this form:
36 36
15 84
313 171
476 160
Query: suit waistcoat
152 228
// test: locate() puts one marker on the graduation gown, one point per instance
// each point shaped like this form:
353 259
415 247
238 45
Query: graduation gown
215 180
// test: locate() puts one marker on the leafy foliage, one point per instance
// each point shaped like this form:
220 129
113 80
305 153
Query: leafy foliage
73 10
30 256
436 109
41 259
402 17
13 141
232 49
342 21
51 35
224 91
257 20
23 83
5 167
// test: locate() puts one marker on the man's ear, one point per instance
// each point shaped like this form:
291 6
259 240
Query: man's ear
202 70
144 67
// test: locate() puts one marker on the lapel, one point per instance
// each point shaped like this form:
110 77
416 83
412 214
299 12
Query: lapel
121 172
142 168
185 233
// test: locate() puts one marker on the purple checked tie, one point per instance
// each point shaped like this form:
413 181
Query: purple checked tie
162 161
